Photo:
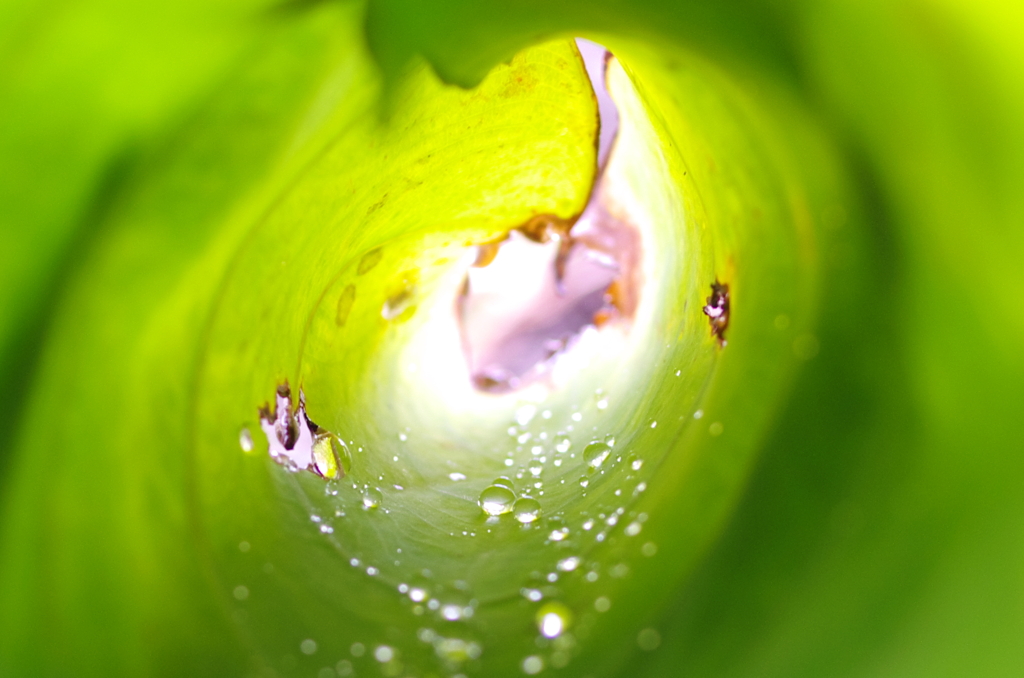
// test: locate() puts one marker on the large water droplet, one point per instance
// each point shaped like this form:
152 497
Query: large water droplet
552 619
497 500
527 510
596 453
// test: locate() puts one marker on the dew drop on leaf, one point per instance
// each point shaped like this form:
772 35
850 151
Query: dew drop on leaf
372 498
596 453
497 500
553 619
526 510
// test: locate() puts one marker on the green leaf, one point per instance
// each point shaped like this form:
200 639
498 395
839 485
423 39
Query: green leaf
202 203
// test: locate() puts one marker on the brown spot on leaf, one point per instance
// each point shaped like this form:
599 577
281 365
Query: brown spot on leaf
345 301
369 261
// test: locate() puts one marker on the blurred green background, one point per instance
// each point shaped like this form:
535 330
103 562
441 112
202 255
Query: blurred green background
862 515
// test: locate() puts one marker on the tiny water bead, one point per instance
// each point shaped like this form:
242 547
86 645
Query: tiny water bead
497 500
559 534
532 665
372 498
245 440
454 650
602 604
596 453
526 510
308 646
648 640
569 564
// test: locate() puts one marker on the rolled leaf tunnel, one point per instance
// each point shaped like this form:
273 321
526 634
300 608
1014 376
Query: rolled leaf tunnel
448 344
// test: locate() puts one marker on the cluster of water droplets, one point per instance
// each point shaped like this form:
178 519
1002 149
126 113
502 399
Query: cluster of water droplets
566 481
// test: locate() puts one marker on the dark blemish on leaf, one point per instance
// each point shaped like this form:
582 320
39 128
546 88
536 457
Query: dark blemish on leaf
345 301
377 205
398 304
717 310
369 261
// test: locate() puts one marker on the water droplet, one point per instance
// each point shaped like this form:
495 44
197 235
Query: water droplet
654 424
417 594
569 564
308 646
562 443
698 414
383 653
526 510
456 477
532 665
372 498
329 453
241 592
588 525
402 437
649 549
559 534
451 612
715 429
648 640
244 546
602 604
553 619
344 668
503 481
357 649
633 529
497 500
602 404
532 594
326 529
245 440
637 464
806 346
456 650
596 453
